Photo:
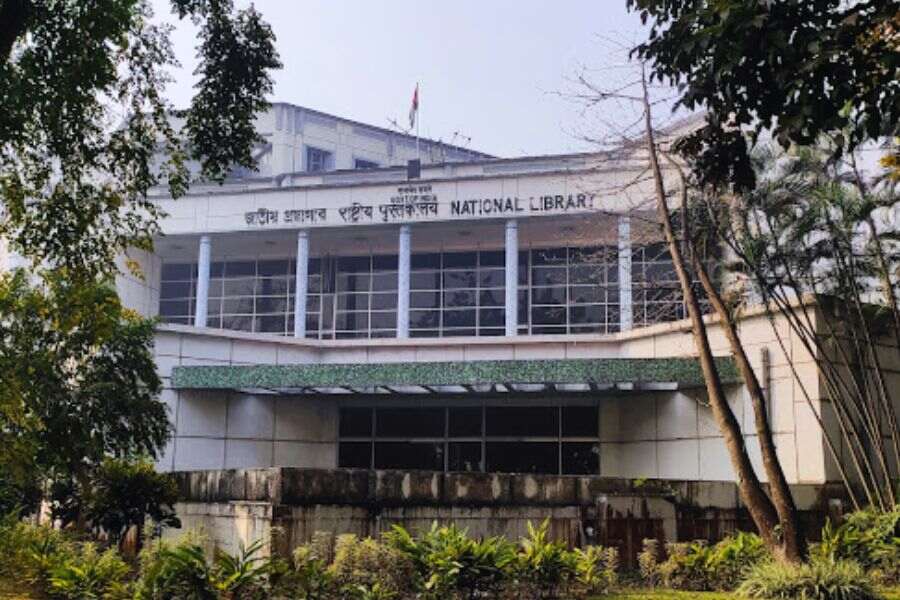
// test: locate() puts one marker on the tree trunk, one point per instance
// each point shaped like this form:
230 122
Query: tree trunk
751 491
783 501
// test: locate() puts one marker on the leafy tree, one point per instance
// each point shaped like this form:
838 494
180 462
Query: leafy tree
78 381
125 493
800 68
84 119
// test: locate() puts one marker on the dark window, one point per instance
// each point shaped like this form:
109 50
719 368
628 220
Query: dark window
465 422
410 422
355 455
178 271
523 457
355 422
426 456
580 458
175 289
522 421
317 160
464 456
360 163
580 421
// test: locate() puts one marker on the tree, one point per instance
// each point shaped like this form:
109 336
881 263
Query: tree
84 119
85 133
125 493
799 69
78 381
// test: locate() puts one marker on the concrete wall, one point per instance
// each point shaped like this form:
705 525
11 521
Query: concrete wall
647 435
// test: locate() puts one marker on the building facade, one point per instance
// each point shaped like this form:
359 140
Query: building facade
471 315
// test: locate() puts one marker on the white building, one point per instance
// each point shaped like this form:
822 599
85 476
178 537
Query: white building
498 315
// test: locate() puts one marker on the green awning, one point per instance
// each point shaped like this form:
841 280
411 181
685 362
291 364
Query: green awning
484 376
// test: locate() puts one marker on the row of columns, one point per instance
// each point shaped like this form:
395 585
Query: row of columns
403 278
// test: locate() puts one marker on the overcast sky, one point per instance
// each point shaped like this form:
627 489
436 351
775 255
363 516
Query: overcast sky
490 70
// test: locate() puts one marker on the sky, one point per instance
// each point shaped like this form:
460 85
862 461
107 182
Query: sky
494 75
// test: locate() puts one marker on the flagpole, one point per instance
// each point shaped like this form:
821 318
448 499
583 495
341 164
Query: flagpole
418 118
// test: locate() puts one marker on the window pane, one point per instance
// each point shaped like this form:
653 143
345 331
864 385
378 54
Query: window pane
425 261
491 317
464 457
175 289
237 322
238 305
492 297
459 279
272 286
384 320
424 319
548 276
492 278
459 260
552 295
355 455
354 264
587 314
424 456
174 308
425 281
384 282
175 271
459 298
353 301
496 258
580 421
522 457
459 318
409 422
355 422
580 458
239 287
548 315
424 299
272 268
584 294
351 321
522 421
353 282
465 422
241 268
588 274
384 301
271 324
274 304
549 256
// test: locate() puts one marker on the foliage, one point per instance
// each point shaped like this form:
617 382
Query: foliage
596 569
649 559
869 538
799 69
545 566
124 493
819 580
78 382
697 566
371 568
31 552
311 579
91 575
86 131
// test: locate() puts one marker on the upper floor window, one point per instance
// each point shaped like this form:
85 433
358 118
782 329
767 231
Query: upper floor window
317 160
360 163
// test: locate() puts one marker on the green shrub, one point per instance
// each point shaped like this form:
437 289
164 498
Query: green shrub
870 538
544 567
125 493
311 579
697 566
30 552
818 580
90 575
648 562
596 570
373 566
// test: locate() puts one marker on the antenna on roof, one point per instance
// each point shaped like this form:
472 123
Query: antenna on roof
464 140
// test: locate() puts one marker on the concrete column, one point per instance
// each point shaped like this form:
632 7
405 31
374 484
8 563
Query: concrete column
512 277
202 282
302 284
403 256
625 300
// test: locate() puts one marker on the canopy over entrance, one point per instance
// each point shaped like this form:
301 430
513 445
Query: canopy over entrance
487 376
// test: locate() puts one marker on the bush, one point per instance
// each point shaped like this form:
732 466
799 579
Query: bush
596 569
370 567
311 579
90 575
30 552
870 538
819 580
696 566
648 562
125 493
544 567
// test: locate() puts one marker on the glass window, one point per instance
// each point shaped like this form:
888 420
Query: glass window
522 421
410 422
360 163
522 457
465 421
580 458
355 455
355 422
464 457
317 160
425 456
580 421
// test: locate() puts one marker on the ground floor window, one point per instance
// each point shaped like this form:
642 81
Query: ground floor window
498 439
